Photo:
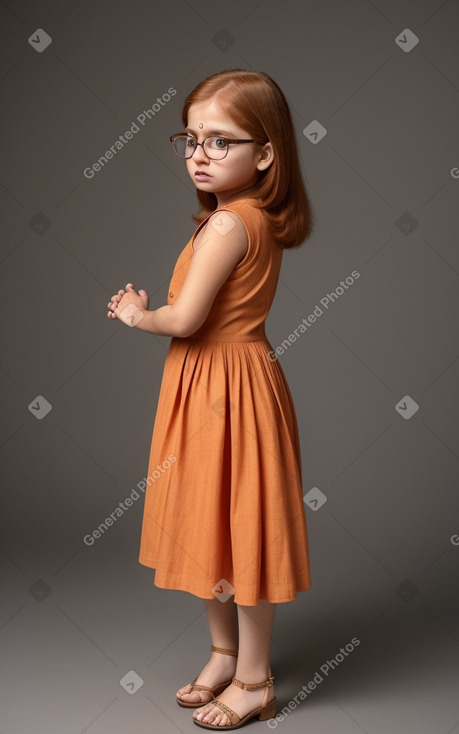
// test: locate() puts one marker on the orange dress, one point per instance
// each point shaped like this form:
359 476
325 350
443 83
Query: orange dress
224 510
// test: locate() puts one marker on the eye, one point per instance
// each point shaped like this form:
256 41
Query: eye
217 143
191 143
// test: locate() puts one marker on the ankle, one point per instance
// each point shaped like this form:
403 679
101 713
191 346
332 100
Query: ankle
226 654
253 675
226 662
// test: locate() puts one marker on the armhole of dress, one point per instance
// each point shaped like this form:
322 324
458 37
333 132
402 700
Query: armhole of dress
248 254
198 228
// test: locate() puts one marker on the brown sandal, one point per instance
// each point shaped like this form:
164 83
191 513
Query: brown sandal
215 691
264 712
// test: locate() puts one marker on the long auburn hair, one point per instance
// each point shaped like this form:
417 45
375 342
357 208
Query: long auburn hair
257 104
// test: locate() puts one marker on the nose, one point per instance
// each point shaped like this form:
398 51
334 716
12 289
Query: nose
199 153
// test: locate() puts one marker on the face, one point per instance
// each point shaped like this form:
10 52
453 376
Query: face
229 177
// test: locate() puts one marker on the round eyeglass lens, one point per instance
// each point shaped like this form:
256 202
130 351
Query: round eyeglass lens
184 146
217 147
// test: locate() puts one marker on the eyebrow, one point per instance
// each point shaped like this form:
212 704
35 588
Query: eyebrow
210 132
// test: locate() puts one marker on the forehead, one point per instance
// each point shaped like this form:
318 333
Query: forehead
211 117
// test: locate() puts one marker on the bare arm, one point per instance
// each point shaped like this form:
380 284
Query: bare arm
224 243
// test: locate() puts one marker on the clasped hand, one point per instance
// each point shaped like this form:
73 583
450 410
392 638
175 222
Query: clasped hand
130 302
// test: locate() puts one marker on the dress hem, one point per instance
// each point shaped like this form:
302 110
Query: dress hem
184 586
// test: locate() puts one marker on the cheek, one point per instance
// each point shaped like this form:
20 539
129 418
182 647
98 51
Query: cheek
240 166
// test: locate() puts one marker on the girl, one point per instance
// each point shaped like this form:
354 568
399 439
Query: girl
224 515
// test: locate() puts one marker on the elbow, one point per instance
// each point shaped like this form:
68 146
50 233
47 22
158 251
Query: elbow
185 329
186 321
186 325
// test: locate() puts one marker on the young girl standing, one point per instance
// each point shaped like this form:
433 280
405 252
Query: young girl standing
224 515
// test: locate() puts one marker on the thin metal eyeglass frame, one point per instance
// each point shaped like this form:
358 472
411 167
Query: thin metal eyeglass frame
229 141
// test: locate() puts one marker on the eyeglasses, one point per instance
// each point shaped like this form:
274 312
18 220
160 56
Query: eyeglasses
216 148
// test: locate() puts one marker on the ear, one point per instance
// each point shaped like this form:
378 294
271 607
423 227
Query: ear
266 157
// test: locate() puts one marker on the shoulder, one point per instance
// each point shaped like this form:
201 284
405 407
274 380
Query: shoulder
245 214
225 221
250 211
225 229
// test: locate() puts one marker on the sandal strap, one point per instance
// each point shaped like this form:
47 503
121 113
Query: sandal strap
233 717
253 686
199 687
224 650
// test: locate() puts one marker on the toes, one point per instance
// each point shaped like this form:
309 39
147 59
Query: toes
191 700
201 712
212 716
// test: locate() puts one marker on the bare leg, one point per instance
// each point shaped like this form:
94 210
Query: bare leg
222 619
255 631
223 626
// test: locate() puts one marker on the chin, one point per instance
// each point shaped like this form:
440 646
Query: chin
203 185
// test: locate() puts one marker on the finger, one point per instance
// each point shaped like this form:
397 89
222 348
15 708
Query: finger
116 298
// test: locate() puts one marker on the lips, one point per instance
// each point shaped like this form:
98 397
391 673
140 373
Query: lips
201 173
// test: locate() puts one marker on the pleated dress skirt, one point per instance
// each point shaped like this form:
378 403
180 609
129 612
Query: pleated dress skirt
224 513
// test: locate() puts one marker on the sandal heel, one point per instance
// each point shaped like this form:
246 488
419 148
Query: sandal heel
269 712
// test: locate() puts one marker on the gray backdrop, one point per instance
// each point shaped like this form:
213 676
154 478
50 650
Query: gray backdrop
87 642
